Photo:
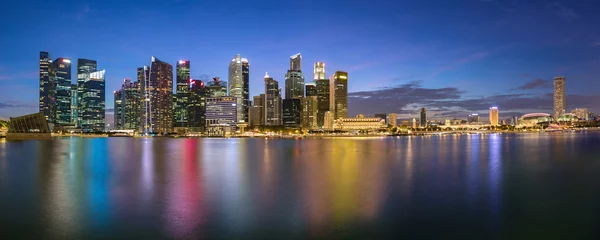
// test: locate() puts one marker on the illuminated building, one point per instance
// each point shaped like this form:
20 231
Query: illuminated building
567 118
32 126
392 119
319 71
322 100
560 104
221 115
534 119
309 112
494 116
182 79
47 88
311 89
473 118
257 113
294 78
414 123
127 100
93 98
74 102
239 85
423 119
119 109
291 112
581 113
61 72
354 124
84 68
217 88
161 97
382 116
405 123
196 108
338 104
328 125
144 106
272 102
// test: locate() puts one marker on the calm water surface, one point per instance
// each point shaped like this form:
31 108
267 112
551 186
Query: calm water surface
542 186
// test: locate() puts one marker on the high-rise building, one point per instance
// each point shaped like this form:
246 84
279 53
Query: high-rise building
473 118
196 108
319 71
119 109
560 101
309 112
238 82
84 68
423 119
161 96
291 112
47 88
257 112
328 123
182 71
323 97
126 103
414 123
339 95
143 79
272 102
494 116
92 101
217 88
221 115
311 89
392 119
62 77
294 78
74 105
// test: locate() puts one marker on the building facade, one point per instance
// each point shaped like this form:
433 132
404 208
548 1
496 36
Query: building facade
294 78
311 89
196 108
161 97
182 79
143 79
309 113
329 121
221 115
217 88
392 119
84 68
581 113
126 106
560 101
473 118
93 106
323 97
494 116
272 102
355 124
74 105
238 80
257 112
423 117
339 94
62 77
47 88
319 71
291 113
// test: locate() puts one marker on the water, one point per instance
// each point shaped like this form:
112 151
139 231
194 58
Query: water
542 186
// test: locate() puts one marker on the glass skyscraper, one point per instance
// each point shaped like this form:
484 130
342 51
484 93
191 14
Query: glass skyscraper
196 108
62 77
181 92
161 97
339 95
560 101
84 68
239 85
323 92
291 113
144 107
127 100
217 88
294 78
423 117
92 101
47 88
272 102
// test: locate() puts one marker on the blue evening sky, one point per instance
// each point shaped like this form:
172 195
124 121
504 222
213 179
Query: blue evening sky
480 48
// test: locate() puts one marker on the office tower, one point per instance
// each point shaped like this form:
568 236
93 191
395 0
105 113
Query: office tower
515 120
161 96
392 119
196 108
47 87
217 88
272 102
382 116
322 100
414 123
423 119
339 95
319 71
144 106
581 113
84 68
294 78
127 106
309 112
182 71
61 68
257 112
291 113
473 118
494 116
221 115
328 123
92 101
560 101
238 80
311 89
74 104
119 109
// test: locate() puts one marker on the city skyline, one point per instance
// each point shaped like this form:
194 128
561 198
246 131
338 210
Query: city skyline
458 80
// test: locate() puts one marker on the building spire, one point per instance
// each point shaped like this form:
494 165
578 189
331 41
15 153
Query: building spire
267 75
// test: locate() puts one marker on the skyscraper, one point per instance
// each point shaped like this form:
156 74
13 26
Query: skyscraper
217 88
93 98
84 68
119 109
323 97
328 123
291 112
196 108
392 119
62 77
294 78
74 105
560 101
319 71
257 112
238 80
221 115
272 102
423 119
47 88
127 100
309 112
494 116
144 106
311 89
161 96
181 93
339 95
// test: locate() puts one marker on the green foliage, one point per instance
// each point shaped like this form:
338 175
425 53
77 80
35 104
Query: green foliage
3 124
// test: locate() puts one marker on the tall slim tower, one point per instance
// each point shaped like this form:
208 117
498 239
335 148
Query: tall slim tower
423 119
161 96
93 105
494 116
272 107
47 87
560 101
84 68
237 82
196 109
246 89
294 78
62 78
144 105
339 95
181 92
323 93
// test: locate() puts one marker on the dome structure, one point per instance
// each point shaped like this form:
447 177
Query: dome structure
534 119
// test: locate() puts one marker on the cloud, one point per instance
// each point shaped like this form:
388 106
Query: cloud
536 83
15 105
459 62
596 44
563 12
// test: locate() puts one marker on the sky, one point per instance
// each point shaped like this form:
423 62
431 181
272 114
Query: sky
454 57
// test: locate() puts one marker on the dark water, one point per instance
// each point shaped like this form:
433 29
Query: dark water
442 187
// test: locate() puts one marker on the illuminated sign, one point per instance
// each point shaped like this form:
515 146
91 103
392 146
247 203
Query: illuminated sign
67 60
343 77
181 62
